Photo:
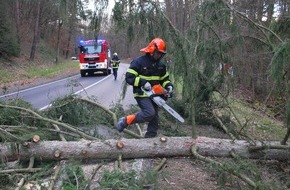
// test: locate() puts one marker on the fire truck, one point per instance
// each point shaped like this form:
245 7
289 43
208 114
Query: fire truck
94 56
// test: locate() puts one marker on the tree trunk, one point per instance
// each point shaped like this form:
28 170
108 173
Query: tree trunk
58 39
287 123
36 32
141 148
72 20
17 19
270 11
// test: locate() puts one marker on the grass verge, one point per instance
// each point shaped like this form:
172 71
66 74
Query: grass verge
11 72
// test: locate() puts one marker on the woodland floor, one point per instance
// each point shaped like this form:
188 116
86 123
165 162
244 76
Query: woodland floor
189 173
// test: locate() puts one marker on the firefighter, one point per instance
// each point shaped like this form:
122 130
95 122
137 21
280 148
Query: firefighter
146 71
115 62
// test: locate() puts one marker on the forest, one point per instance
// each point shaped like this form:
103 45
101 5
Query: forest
218 52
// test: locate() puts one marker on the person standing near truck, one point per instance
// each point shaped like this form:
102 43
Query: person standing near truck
115 62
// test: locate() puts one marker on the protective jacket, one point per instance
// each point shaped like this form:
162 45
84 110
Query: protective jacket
145 69
115 62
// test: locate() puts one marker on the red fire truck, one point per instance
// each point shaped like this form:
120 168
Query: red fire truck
94 56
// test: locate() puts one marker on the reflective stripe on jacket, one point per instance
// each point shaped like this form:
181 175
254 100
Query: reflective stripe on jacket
144 69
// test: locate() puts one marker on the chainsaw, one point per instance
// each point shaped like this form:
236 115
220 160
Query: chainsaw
156 93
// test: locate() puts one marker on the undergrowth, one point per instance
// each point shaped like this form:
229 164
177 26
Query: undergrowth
117 179
28 70
84 115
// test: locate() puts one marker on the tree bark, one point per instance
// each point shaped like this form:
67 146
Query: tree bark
287 123
141 148
36 32
58 39
17 20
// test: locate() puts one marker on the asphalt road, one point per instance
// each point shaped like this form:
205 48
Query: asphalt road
104 89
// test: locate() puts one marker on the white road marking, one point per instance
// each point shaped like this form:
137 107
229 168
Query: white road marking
47 106
35 87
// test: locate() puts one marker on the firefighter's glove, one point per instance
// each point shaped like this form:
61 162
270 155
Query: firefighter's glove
169 91
147 86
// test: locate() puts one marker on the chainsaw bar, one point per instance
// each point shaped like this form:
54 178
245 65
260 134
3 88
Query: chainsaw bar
162 103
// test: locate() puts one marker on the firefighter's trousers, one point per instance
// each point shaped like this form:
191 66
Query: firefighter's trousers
115 72
148 113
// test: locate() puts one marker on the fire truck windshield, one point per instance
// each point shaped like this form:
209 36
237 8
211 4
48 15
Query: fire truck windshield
92 48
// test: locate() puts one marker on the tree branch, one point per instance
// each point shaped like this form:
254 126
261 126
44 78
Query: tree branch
51 121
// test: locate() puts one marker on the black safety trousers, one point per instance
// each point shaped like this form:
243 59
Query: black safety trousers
148 113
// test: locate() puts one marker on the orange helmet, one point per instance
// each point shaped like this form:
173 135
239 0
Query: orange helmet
156 44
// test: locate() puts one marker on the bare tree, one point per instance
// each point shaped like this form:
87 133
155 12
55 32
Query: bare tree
36 31
17 17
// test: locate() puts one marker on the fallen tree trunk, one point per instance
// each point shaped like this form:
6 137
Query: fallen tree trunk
142 148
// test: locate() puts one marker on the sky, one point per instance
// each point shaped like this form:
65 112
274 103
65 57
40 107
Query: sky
110 6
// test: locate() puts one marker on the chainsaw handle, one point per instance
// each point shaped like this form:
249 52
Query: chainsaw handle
144 90
160 94
165 93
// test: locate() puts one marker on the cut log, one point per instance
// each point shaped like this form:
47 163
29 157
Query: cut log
141 148
36 138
